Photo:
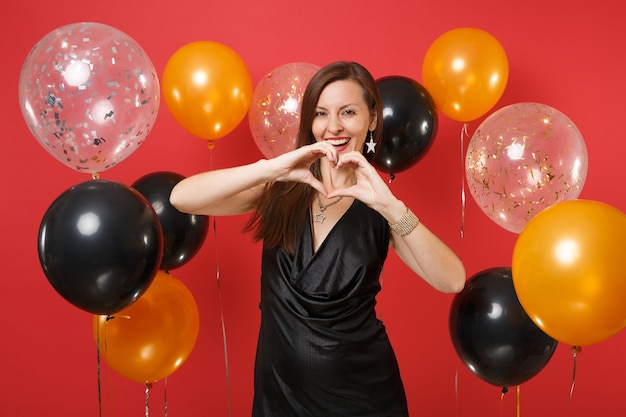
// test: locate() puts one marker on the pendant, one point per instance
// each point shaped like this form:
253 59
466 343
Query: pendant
319 217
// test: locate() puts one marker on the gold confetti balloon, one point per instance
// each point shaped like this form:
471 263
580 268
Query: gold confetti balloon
89 94
522 159
274 115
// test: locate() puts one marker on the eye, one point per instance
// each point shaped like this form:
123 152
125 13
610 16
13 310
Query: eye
320 113
349 112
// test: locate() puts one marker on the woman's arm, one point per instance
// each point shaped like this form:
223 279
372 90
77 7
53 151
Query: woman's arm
220 192
421 250
235 190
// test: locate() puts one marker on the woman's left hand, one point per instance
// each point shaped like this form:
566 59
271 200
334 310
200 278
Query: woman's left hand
369 188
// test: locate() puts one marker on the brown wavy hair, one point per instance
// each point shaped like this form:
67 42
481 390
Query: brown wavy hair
282 206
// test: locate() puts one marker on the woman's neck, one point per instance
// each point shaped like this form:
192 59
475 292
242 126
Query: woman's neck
337 178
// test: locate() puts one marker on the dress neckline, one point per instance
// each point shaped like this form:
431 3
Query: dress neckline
312 251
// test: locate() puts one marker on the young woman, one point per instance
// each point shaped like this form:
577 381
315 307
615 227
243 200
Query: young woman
326 219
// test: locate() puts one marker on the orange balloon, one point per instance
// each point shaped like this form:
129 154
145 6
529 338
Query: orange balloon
207 89
465 70
151 338
569 271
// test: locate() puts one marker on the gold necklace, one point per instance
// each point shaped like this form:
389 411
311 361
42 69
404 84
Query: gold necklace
319 217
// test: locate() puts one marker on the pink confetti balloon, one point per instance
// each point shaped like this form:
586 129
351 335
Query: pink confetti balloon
522 159
274 115
89 94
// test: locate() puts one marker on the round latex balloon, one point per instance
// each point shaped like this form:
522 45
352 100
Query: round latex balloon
493 335
569 271
183 233
409 125
100 245
274 115
207 89
523 158
89 94
466 71
153 337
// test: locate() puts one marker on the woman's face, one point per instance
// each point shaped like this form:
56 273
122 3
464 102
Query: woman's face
342 117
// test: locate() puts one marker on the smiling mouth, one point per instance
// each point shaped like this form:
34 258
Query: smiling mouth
338 142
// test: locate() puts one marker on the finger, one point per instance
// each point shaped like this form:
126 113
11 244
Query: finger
351 191
317 184
351 158
330 152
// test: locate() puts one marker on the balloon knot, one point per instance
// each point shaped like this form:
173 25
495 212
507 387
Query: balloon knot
505 390
576 350
210 144
122 316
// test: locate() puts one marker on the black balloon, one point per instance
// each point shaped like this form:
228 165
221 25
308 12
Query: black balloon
493 335
100 245
183 234
409 124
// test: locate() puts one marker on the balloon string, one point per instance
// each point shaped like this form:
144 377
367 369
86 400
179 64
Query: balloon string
503 392
98 367
165 397
219 293
104 348
456 389
462 153
148 386
575 351
519 408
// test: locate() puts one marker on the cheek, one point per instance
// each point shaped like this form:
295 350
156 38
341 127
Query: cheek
360 132
318 129
360 143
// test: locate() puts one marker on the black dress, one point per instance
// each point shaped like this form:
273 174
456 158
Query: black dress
322 352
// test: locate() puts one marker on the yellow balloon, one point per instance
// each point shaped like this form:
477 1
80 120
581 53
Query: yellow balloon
466 71
207 89
569 271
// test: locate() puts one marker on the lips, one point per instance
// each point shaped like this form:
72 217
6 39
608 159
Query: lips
338 142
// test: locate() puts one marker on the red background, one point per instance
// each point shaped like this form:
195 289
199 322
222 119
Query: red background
565 54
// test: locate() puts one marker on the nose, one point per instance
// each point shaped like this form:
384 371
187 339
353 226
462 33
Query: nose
334 124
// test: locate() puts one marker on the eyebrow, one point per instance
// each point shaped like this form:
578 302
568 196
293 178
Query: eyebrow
340 108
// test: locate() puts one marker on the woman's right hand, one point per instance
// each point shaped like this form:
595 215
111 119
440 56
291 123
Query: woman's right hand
295 165
236 190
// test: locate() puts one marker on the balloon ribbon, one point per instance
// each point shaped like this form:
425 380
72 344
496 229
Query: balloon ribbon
463 134
456 389
518 405
98 362
165 398
575 351
147 391
219 292
210 145
99 348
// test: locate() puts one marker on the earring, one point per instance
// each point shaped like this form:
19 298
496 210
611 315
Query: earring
371 145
